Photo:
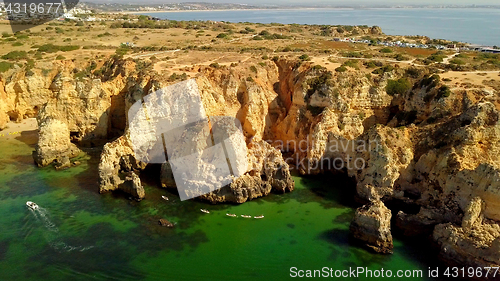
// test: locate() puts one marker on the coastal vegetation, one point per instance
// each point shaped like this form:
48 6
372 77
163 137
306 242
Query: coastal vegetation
423 107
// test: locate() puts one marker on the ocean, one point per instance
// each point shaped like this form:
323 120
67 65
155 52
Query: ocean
78 234
475 26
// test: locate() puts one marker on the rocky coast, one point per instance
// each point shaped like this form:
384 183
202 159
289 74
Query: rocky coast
433 171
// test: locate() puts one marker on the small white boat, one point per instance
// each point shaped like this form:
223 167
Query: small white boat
205 211
259 217
231 215
165 198
246 217
32 205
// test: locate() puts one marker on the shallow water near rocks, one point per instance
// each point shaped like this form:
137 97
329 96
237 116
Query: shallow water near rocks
79 234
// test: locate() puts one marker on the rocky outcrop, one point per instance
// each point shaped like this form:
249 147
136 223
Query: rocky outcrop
132 185
433 147
118 167
476 243
372 226
424 222
54 144
267 172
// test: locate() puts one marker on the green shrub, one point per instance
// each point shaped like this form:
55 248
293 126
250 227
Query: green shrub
122 51
15 55
430 81
214 65
341 69
304 57
398 87
413 72
51 48
253 68
21 36
6 35
386 50
317 83
222 35
400 57
264 33
353 55
268 36
351 63
17 44
443 92
457 61
372 64
59 57
104 34
5 66
436 57
384 69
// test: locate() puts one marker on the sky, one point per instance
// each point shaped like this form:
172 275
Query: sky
312 2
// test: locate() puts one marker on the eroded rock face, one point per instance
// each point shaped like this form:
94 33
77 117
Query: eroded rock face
132 185
475 243
117 162
372 225
54 143
436 152
267 172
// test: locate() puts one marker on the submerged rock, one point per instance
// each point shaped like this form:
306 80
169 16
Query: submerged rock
165 223
372 225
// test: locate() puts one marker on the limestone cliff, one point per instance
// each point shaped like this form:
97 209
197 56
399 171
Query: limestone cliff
431 147
372 225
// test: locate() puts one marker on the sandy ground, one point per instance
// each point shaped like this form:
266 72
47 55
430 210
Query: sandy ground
475 79
14 129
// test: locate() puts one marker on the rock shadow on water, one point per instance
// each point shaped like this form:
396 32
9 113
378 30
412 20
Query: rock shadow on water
110 253
334 189
346 246
26 185
4 247
89 179
345 218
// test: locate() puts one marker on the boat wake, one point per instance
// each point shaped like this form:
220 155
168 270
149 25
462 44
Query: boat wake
52 232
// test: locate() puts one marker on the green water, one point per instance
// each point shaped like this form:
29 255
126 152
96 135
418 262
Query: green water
108 237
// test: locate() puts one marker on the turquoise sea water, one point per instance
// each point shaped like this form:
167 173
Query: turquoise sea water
81 235
477 26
